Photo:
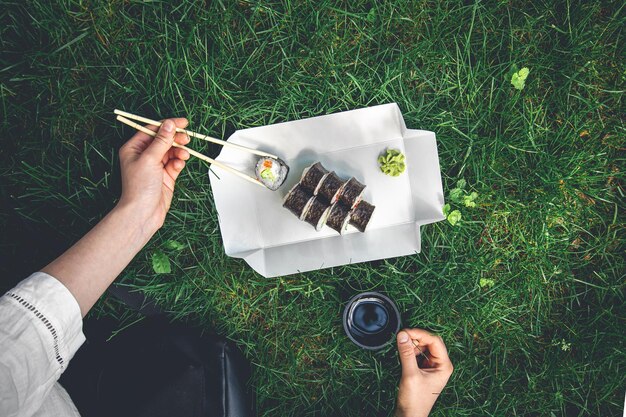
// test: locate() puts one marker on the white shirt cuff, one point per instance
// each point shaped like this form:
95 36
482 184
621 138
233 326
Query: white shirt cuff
55 309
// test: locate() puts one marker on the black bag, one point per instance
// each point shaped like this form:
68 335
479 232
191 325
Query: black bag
156 368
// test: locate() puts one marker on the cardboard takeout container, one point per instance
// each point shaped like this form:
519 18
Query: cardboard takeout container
256 227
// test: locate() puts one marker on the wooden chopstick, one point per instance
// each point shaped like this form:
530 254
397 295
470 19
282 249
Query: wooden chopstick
191 151
195 135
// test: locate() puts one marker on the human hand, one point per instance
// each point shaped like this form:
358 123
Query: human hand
421 384
150 167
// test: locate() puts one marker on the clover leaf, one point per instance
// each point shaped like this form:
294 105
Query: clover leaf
518 79
161 263
174 245
454 217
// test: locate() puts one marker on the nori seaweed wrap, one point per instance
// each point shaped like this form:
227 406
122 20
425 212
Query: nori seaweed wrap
330 186
312 177
351 192
296 200
317 212
323 198
338 217
361 215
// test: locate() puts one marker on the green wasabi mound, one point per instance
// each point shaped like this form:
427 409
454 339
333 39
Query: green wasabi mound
392 162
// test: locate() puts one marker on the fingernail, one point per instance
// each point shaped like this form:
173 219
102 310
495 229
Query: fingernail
403 337
168 126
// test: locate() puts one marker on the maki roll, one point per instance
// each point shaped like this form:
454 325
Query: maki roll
329 187
271 172
351 192
317 212
361 215
322 198
312 177
296 200
338 217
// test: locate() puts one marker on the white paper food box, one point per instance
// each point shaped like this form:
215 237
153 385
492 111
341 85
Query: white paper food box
274 242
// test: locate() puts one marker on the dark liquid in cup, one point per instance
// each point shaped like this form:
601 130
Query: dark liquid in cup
371 320
370 317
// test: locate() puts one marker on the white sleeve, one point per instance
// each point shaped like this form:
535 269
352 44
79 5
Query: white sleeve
40 330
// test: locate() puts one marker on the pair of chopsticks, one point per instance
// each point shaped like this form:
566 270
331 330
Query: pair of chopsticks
124 117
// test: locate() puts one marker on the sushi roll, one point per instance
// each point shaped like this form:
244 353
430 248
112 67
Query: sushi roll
271 172
312 177
297 200
338 217
317 212
351 192
330 186
361 215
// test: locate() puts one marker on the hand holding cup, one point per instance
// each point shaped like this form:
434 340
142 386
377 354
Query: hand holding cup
426 369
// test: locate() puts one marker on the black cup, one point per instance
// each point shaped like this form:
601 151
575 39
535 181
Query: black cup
370 320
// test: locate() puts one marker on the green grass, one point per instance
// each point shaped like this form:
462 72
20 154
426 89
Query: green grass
547 162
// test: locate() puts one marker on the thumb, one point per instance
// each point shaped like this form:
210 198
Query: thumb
163 141
407 355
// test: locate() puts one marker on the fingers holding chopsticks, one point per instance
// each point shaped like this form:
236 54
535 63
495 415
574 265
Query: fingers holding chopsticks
176 153
157 148
167 141
142 141
174 160
161 149
165 137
